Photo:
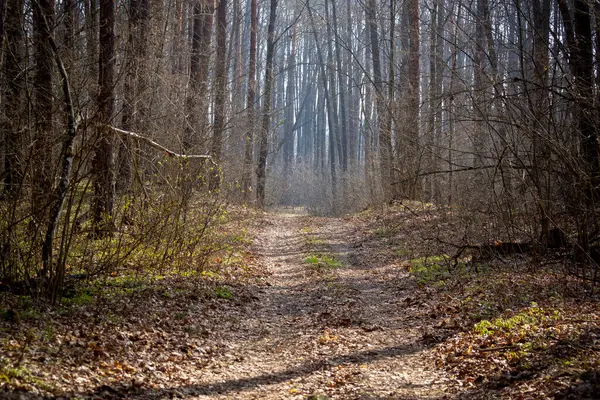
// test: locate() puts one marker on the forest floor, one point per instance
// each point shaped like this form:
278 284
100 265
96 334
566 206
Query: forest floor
367 306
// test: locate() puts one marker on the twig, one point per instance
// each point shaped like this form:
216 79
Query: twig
572 343
487 350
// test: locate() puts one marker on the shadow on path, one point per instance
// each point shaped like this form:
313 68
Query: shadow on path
243 384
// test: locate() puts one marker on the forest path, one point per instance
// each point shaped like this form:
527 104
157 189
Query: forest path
323 331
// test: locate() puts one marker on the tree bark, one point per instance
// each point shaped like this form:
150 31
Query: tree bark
42 165
329 104
250 98
538 103
55 273
199 59
343 106
385 141
103 161
288 139
12 97
91 36
220 89
266 119
335 146
138 19
413 96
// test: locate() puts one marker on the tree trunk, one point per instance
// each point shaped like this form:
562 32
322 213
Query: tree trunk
328 101
434 122
195 109
320 126
91 36
288 139
42 164
413 96
582 62
432 103
385 143
12 97
343 106
538 96
138 13
220 89
353 94
53 273
103 161
264 133
480 99
367 129
335 147
452 103
250 98
69 29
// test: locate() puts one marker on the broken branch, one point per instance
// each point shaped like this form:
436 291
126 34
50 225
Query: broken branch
158 146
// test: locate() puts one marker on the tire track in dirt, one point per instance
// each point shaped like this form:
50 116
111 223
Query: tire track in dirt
338 333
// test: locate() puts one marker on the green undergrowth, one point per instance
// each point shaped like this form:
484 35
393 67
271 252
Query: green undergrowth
217 256
20 378
125 285
384 232
18 308
550 347
516 328
163 232
436 270
521 334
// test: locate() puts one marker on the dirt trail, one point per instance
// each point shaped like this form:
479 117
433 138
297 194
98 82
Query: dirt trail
329 333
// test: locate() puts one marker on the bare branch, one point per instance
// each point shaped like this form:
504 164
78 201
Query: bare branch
526 167
158 146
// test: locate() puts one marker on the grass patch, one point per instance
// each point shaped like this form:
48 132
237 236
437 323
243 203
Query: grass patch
214 275
314 241
323 261
402 252
223 292
430 270
80 298
310 239
384 232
